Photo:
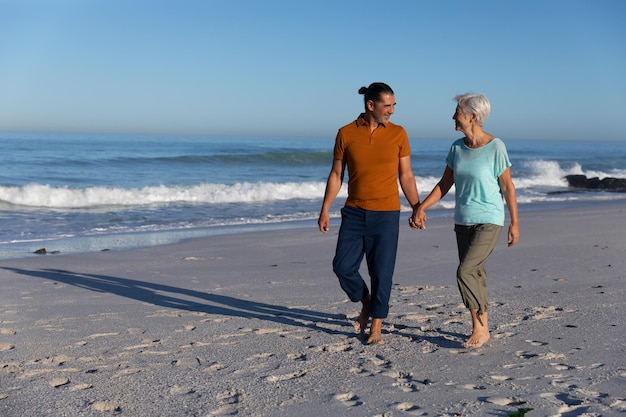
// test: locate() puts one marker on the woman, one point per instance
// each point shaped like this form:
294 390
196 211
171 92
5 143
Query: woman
479 167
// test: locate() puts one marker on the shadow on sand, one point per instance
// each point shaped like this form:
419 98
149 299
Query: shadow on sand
190 300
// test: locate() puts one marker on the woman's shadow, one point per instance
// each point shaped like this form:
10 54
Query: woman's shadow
192 300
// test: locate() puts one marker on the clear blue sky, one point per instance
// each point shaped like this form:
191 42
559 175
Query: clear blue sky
553 69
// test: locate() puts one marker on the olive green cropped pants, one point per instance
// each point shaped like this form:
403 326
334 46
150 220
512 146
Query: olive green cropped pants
475 243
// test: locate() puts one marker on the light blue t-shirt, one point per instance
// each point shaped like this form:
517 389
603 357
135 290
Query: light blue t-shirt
478 196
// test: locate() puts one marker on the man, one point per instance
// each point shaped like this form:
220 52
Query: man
377 154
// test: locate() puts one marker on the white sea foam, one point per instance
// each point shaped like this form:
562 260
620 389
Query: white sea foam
539 179
46 196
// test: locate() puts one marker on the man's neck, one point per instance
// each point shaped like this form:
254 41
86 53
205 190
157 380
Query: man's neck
371 121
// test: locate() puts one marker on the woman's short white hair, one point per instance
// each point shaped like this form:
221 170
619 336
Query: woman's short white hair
473 103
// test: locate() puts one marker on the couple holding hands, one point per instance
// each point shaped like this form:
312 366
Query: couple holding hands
377 156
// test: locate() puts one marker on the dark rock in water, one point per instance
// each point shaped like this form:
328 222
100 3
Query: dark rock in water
595 183
43 251
613 184
578 181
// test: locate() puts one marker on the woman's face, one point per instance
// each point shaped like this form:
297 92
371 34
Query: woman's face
461 120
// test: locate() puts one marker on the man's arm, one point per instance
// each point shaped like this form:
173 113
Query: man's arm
333 185
407 181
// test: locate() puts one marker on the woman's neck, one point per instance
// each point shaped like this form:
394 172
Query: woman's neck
477 137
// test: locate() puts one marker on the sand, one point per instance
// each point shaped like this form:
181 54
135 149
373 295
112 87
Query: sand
256 325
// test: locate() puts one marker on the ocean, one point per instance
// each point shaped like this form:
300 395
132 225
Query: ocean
84 192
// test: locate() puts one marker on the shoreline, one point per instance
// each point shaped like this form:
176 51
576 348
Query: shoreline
136 240
255 325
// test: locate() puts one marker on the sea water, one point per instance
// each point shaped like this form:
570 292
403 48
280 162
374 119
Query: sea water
84 192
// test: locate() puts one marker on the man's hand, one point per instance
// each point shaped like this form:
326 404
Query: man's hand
324 222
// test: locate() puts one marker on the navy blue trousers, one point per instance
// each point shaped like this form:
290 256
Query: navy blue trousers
373 234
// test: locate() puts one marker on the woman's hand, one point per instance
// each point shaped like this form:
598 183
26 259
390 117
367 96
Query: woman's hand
418 218
513 235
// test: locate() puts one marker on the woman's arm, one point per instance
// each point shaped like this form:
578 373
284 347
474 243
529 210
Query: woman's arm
508 190
418 219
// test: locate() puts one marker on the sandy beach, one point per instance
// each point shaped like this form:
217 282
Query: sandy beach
256 325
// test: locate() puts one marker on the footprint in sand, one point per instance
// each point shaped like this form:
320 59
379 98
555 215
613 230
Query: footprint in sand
109 406
536 342
423 318
550 312
59 382
229 401
500 377
513 366
397 374
562 367
563 383
260 356
360 371
187 363
406 386
11 367
98 335
525 355
411 409
424 346
348 399
474 387
80 387
403 380
379 361
548 356
278 331
6 346
502 401
55 360
285 377
297 356
214 367
181 390
339 347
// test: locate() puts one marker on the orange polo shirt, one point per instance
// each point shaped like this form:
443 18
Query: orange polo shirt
373 161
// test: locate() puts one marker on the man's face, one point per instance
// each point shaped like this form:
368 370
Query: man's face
383 109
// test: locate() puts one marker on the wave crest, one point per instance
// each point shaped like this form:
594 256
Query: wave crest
46 196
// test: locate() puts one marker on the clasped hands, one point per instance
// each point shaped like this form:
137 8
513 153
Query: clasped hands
418 218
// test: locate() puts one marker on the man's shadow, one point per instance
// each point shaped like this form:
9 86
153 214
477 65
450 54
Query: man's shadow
437 337
192 300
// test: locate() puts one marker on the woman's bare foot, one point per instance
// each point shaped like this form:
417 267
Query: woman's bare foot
361 323
376 332
476 340
480 329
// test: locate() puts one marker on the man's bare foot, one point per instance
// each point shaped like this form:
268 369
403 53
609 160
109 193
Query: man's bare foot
476 340
376 332
361 323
